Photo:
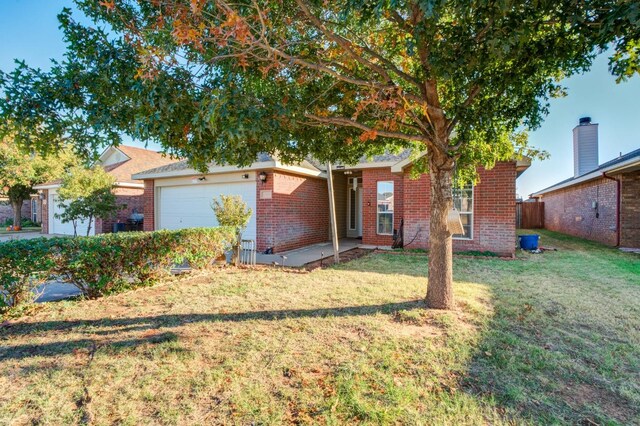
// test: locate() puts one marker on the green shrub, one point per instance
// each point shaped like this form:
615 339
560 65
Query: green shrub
112 263
24 265
105 264
25 223
232 212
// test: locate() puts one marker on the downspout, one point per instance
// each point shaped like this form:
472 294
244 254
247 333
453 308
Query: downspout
604 175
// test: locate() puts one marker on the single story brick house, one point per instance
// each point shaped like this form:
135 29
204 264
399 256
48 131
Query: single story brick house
121 162
601 202
290 204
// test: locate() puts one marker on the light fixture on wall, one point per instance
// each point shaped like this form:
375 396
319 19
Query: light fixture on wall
40 194
198 179
263 177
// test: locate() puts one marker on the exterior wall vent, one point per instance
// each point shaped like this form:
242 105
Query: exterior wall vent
585 147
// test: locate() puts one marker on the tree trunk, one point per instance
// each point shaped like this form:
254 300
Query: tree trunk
440 288
16 205
89 225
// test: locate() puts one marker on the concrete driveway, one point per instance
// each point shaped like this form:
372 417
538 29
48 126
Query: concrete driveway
53 291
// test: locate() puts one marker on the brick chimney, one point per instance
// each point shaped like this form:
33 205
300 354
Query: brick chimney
585 147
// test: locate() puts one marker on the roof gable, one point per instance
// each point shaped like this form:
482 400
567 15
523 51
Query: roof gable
131 160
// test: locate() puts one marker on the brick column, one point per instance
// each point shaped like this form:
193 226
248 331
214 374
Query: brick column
149 210
44 212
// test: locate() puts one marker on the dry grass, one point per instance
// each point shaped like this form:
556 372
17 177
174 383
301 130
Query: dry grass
550 338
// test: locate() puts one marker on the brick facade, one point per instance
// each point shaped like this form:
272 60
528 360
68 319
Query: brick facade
494 226
132 198
370 179
6 212
570 210
630 210
296 215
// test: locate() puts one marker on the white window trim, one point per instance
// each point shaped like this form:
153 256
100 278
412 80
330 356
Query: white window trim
393 213
34 210
471 213
350 205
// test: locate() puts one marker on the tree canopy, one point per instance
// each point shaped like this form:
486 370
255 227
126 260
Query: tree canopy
222 81
22 169
85 194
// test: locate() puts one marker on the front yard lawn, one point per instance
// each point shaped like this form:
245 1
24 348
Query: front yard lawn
551 338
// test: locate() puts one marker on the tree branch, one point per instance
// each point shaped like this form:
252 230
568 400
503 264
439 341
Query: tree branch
347 122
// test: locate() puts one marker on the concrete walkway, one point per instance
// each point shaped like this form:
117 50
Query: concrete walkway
300 257
20 236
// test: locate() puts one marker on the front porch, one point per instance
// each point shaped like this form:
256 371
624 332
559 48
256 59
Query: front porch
304 255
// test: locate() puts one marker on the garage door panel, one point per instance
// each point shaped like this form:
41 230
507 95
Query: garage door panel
56 226
190 206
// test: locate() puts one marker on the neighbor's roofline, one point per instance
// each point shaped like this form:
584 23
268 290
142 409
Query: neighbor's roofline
618 167
216 169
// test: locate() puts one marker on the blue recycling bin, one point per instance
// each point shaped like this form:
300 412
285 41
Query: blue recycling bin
529 242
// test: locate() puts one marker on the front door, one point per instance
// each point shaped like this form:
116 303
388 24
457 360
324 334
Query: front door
354 209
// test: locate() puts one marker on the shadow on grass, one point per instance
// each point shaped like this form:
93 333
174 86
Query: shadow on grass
560 346
110 327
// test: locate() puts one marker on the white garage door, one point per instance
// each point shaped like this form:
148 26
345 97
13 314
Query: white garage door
56 226
190 206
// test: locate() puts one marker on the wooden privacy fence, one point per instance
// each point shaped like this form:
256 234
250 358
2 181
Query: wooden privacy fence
529 215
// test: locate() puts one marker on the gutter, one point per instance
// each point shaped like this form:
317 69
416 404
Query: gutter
617 181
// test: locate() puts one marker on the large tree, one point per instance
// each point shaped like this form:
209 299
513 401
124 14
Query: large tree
221 81
22 169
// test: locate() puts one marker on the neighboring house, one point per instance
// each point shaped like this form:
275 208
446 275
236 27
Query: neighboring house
601 202
6 212
121 162
291 209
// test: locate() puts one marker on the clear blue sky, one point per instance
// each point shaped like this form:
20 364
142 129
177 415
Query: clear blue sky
30 32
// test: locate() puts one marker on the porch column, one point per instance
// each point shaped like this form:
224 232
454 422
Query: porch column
332 215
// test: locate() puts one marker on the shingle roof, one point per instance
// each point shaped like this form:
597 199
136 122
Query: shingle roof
602 167
263 157
139 159
387 156
184 165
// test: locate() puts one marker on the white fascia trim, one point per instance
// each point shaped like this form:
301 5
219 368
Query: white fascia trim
400 165
299 170
381 164
212 170
128 185
50 186
118 184
590 176
274 164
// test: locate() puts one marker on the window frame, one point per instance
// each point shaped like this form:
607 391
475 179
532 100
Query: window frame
351 205
34 210
469 213
378 212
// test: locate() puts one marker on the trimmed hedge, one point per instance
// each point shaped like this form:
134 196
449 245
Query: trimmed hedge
24 264
105 264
